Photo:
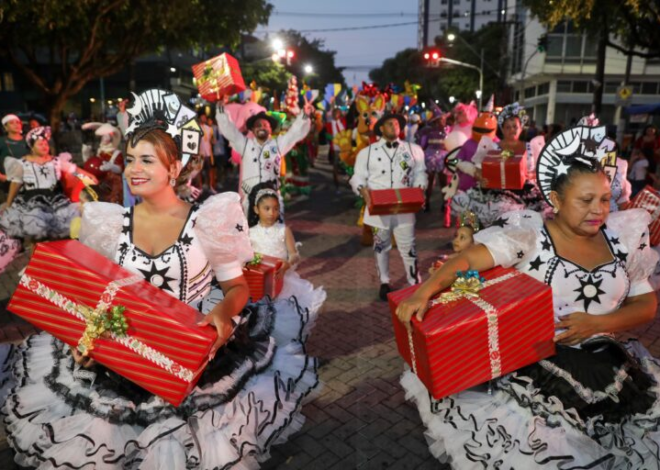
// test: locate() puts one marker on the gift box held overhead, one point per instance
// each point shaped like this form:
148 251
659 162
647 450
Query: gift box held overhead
477 331
649 199
395 201
260 276
115 317
217 77
504 170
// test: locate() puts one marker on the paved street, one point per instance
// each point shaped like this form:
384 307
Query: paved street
359 419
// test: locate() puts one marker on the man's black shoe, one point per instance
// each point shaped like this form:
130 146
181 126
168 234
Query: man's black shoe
384 290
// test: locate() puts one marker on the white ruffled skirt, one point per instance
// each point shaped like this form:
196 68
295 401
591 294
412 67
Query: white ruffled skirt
248 399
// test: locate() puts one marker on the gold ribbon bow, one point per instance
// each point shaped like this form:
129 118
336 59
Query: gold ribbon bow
258 258
100 322
507 154
463 287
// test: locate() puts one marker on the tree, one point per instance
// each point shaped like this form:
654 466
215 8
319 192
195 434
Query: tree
60 45
267 74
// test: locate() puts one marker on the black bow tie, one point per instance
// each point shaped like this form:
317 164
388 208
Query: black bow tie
391 145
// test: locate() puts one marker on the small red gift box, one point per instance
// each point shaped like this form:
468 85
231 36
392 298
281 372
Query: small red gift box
504 170
217 77
395 201
473 338
164 351
261 279
649 199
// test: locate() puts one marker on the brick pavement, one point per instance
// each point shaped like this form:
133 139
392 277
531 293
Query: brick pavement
359 418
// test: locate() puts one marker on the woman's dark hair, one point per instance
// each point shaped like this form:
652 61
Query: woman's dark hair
579 165
253 219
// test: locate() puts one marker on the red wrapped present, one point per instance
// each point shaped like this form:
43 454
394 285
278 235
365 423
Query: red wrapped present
396 201
649 199
504 170
74 183
260 276
67 290
472 334
217 77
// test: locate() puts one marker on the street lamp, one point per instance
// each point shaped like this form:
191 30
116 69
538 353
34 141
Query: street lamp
452 100
308 69
451 37
277 44
478 95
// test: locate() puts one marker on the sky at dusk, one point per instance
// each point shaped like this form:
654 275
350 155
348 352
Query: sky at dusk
359 49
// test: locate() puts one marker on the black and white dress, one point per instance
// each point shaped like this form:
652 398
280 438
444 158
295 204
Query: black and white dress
593 406
40 210
249 398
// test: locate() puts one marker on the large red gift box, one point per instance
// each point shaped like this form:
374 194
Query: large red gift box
164 351
395 201
468 341
261 277
649 199
217 77
503 170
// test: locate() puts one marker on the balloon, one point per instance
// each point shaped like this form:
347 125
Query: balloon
454 139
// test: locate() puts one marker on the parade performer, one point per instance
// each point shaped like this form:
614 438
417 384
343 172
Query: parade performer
11 145
108 165
468 225
37 209
261 156
250 394
269 236
334 127
390 163
464 116
596 403
432 140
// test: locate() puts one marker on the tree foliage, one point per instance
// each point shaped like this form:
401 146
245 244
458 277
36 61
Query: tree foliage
81 40
270 76
633 24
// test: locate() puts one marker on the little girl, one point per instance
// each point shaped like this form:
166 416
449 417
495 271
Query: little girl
468 225
269 236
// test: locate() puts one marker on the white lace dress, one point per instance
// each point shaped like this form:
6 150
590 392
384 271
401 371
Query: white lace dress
271 241
40 210
592 406
249 398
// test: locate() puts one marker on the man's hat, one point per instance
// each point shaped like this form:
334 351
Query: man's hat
252 120
10 117
387 117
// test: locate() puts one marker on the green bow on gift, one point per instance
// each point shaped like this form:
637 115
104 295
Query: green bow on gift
100 322
507 154
467 285
258 257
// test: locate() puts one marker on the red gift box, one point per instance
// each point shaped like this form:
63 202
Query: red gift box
217 77
503 171
468 341
649 199
261 277
395 201
164 350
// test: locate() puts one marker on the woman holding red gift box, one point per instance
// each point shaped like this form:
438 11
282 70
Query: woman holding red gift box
63 409
596 403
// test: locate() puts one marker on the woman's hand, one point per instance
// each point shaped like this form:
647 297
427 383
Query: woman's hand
279 274
84 361
416 304
579 327
224 327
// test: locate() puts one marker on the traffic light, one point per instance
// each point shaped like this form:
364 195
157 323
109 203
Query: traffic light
542 43
432 58
289 56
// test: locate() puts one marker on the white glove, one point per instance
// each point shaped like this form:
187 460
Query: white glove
108 166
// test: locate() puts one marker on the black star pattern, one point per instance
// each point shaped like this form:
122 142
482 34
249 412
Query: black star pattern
44 171
501 222
194 222
186 240
615 241
520 254
123 248
536 264
590 144
239 227
589 291
527 216
158 277
545 245
622 256
125 229
642 246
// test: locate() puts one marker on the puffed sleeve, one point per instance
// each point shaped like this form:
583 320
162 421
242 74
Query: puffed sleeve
632 228
14 170
223 232
101 226
512 238
64 164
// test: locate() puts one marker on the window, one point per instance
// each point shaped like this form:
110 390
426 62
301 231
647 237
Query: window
8 81
580 87
543 89
443 14
555 46
610 87
530 92
564 86
573 46
456 2
649 88
443 2
457 13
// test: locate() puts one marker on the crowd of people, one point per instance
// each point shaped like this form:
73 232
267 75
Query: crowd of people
145 195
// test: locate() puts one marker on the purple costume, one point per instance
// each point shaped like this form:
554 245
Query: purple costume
432 140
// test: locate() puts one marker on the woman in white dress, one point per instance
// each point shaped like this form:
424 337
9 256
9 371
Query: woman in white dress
596 403
64 411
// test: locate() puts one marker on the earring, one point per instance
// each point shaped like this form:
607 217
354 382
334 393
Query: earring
555 210
172 182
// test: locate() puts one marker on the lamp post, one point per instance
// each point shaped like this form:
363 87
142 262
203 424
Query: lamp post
473 67
451 37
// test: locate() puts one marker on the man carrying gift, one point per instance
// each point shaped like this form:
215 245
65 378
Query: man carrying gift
261 155
390 164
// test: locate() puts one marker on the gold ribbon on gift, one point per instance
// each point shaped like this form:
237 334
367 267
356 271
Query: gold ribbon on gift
100 322
462 288
399 200
258 258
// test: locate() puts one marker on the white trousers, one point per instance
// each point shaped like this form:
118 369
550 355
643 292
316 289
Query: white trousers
405 240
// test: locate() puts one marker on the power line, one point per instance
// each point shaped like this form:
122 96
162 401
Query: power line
350 28
341 15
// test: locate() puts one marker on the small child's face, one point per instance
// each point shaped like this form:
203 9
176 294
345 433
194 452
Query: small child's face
463 239
268 211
